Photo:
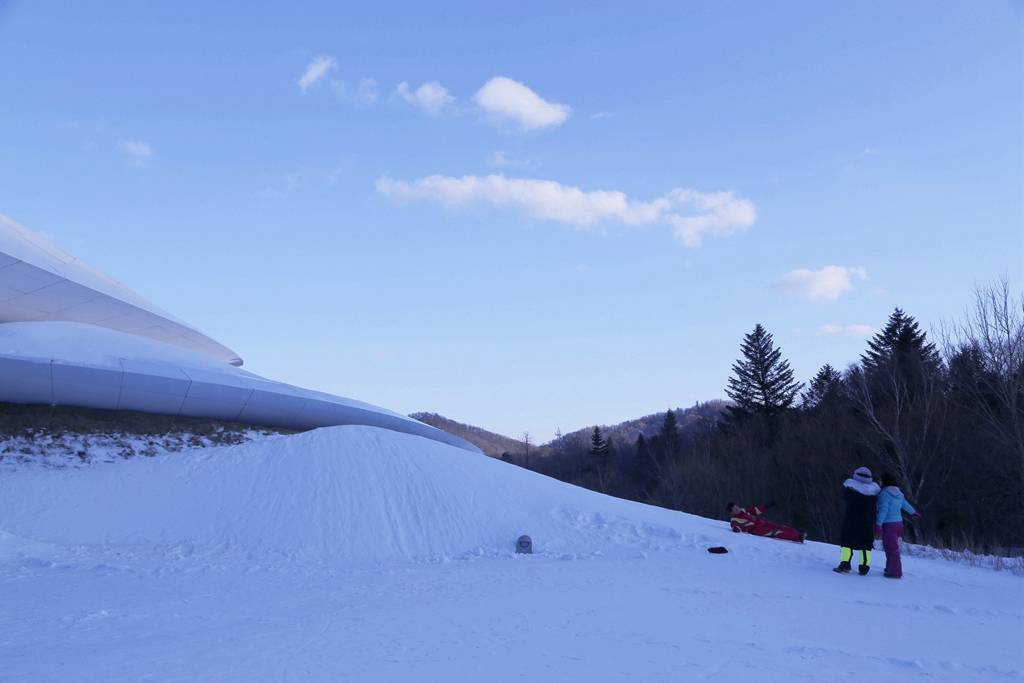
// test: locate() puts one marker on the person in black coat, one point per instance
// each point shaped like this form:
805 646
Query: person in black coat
860 493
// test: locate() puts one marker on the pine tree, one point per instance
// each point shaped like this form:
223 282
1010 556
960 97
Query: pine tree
824 388
598 445
599 450
903 345
670 435
897 392
643 454
763 381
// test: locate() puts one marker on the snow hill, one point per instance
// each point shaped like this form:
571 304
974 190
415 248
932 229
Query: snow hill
338 497
354 553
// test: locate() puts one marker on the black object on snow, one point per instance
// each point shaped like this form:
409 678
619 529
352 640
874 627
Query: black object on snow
524 544
718 550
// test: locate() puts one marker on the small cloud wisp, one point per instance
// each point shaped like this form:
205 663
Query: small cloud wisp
431 97
315 71
824 284
137 151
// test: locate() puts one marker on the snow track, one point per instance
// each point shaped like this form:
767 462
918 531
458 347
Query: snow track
359 554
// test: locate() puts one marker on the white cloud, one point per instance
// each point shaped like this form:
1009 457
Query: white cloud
432 97
719 213
365 92
714 213
855 330
825 284
137 151
502 160
316 70
510 100
599 115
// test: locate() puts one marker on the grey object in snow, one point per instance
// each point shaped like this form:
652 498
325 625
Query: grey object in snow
524 544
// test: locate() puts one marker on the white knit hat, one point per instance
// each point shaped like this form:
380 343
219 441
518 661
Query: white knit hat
863 474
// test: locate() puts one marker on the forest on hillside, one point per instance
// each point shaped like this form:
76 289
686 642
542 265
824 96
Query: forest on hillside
945 416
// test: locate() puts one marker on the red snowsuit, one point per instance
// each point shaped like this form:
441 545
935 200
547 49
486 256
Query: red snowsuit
750 521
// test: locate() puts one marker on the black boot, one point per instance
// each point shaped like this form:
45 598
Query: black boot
843 567
863 569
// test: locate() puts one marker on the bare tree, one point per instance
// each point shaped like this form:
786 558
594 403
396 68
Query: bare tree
992 335
907 423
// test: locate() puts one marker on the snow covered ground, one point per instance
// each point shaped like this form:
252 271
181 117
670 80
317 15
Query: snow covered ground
353 553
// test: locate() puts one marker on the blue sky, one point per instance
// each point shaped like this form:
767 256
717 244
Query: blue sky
262 173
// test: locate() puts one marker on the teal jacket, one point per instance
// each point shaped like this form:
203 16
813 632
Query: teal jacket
891 505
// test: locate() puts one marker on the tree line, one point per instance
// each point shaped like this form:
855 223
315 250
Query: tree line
944 416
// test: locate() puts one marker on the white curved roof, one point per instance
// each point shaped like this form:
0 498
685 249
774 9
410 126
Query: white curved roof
40 281
72 364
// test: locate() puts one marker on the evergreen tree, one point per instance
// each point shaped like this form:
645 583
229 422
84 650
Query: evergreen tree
670 435
598 445
896 393
967 373
903 347
763 381
824 388
643 454
599 450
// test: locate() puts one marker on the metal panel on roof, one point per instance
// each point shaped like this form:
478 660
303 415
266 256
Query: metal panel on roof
57 297
214 395
25 278
152 387
272 408
25 380
86 386
13 310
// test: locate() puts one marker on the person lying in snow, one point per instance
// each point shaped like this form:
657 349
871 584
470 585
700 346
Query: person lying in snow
749 520
889 524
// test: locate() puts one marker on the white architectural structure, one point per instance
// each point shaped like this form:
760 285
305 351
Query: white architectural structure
72 336
41 281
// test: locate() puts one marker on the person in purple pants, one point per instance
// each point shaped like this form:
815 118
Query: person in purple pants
889 524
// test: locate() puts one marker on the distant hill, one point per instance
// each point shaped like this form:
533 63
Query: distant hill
489 442
625 432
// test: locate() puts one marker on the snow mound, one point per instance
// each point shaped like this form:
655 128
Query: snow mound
342 496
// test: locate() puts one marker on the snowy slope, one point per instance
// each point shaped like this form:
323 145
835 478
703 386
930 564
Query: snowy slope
338 497
352 553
